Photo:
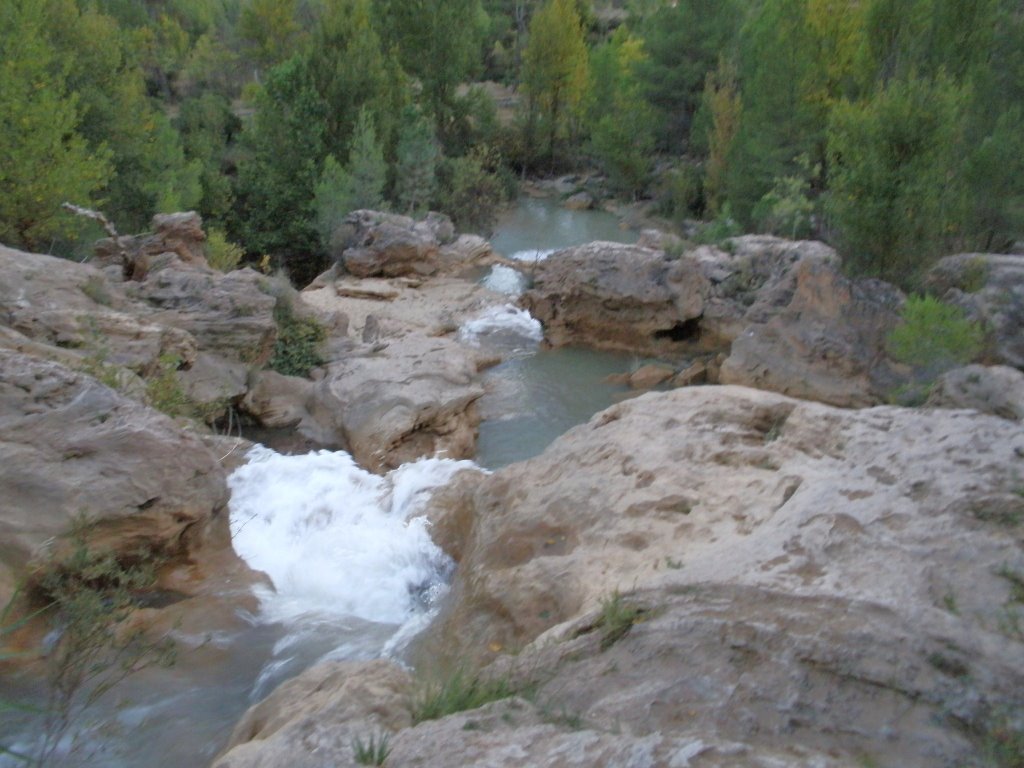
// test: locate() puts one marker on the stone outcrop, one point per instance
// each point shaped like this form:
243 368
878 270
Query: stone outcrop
617 296
725 577
990 287
997 389
72 448
375 244
826 343
174 236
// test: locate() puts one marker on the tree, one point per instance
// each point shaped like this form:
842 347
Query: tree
621 133
897 195
684 42
44 159
416 162
555 73
270 29
722 102
277 174
439 43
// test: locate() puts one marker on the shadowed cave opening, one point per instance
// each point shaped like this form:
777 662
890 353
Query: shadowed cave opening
687 330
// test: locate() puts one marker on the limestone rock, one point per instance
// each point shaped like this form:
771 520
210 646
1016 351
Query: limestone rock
70 446
618 297
651 375
581 201
416 400
174 236
827 342
313 719
807 578
990 287
997 389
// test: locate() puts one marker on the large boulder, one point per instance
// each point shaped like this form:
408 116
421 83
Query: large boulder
375 244
174 237
997 389
990 287
73 449
825 342
617 296
387 404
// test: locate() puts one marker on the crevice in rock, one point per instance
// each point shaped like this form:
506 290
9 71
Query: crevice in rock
687 330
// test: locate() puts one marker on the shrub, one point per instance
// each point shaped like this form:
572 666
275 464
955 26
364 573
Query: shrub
221 253
934 336
164 391
617 618
298 342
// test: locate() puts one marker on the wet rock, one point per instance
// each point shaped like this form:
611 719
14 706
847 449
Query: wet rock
581 201
651 375
997 389
990 287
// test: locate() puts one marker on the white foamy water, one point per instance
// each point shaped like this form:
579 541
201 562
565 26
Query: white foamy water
505 280
533 254
505 325
337 541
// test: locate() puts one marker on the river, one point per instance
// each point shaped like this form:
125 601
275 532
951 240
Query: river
356 574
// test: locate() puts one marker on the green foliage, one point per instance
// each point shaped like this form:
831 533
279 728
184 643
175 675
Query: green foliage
45 158
416 163
471 191
934 336
617 617
680 192
221 253
554 75
298 342
621 134
896 194
720 229
459 691
164 391
787 209
1003 742
374 751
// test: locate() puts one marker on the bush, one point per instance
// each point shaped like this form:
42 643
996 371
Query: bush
221 253
934 336
298 342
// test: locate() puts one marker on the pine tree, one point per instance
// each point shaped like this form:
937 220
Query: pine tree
416 163
44 160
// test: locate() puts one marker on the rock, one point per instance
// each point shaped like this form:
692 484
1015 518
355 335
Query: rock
467 251
71 447
374 244
617 296
374 290
695 373
827 342
313 719
660 241
990 287
174 236
278 401
581 201
998 390
651 375
759 582
417 400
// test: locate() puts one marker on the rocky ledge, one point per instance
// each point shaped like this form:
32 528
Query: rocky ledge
711 577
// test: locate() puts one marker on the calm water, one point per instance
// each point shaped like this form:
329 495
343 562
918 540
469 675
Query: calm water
542 225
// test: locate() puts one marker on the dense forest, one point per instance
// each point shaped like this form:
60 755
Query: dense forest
893 129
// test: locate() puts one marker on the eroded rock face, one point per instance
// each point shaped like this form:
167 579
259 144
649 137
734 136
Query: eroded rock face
997 389
990 287
71 447
825 339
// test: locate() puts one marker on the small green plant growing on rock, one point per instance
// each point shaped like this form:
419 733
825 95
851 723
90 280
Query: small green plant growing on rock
298 342
617 617
164 391
374 751
459 691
